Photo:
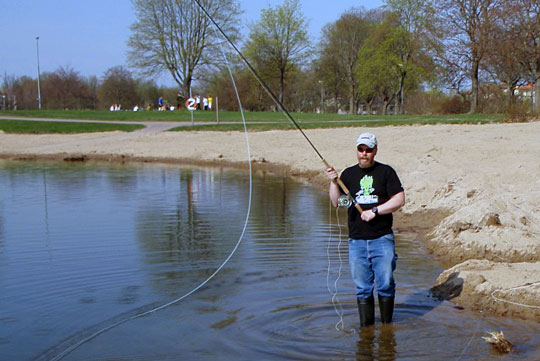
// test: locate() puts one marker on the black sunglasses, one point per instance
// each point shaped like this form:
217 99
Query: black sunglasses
367 150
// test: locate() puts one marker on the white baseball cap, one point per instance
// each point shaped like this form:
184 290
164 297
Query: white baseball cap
368 139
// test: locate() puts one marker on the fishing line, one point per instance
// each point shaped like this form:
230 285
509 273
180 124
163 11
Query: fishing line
202 284
334 292
500 300
515 288
284 110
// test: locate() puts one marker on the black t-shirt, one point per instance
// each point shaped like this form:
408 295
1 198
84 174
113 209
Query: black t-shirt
370 187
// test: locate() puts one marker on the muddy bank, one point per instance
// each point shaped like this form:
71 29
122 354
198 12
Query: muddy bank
473 191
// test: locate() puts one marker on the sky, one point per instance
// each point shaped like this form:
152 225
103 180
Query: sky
90 36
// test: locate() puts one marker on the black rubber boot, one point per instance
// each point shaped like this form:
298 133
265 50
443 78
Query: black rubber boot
386 306
366 310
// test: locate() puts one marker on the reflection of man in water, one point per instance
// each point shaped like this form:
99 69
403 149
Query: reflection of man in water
372 258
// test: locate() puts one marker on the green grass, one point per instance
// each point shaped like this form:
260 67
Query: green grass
41 127
256 120
307 121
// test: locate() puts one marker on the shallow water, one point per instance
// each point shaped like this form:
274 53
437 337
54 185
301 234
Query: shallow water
83 248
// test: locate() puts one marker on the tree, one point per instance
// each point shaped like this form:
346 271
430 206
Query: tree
376 70
341 41
118 87
527 23
466 28
64 89
409 43
506 55
279 42
19 92
176 36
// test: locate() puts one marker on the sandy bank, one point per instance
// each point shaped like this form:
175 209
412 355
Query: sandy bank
477 187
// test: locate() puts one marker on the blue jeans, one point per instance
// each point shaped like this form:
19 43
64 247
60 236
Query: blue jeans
373 262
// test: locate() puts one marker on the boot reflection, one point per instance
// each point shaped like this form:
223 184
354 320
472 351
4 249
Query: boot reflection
376 343
387 343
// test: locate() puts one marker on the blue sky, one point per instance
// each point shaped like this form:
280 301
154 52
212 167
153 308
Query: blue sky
90 36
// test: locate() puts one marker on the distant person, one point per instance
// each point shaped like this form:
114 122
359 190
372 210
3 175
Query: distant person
210 103
112 108
160 102
205 103
198 101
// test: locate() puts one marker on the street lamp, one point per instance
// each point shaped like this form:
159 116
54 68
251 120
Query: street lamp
38 87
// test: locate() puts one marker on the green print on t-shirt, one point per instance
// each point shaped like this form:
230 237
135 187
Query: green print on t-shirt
366 185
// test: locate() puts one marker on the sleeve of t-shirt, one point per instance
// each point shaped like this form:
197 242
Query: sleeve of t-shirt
345 178
393 186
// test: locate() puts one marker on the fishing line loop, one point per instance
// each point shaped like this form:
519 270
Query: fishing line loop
515 288
338 308
202 284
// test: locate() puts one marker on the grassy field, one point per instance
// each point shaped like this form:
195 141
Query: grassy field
43 127
256 120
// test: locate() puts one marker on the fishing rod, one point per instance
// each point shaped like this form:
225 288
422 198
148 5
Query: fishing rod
284 110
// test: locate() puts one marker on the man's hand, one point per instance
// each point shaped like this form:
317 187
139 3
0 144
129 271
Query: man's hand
332 175
368 215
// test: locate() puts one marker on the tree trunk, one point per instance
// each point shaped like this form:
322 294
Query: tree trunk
370 106
536 88
510 93
281 84
401 93
352 103
474 81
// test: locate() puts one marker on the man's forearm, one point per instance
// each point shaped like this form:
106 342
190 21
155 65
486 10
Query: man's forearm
334 193
393 204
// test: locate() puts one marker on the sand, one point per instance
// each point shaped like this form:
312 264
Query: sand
473 191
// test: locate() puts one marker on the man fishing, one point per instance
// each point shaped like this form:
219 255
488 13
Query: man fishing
372 257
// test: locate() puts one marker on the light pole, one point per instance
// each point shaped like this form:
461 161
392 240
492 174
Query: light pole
38 87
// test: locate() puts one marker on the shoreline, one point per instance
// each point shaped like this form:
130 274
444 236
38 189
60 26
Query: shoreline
472 190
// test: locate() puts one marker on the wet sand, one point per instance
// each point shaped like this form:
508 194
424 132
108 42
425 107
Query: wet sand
473 191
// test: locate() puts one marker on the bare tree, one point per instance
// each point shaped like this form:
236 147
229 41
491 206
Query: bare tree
64 89
526 17
506 55
176 36
466 29
118 87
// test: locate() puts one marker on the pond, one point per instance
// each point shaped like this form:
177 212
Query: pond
96 261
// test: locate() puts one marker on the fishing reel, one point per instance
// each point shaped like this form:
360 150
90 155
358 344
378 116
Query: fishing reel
344 201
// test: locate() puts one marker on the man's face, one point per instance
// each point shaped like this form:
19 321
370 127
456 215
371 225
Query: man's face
366 155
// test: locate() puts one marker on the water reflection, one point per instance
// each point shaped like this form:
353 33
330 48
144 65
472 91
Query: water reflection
376 344
129 238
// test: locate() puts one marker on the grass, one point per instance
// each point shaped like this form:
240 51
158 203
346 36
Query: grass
41 127
229 120
312 121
